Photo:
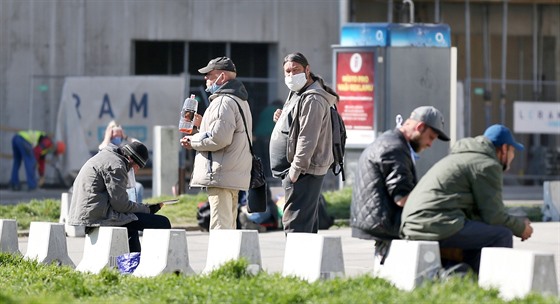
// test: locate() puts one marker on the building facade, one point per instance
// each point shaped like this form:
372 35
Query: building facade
44 41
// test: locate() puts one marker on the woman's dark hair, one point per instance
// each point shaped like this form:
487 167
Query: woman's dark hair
296 57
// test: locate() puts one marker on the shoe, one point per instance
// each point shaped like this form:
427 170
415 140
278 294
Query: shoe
15 187
458 270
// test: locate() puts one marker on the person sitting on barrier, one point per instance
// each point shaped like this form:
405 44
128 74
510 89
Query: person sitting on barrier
262 221
387 174
458 202
115 135
100 199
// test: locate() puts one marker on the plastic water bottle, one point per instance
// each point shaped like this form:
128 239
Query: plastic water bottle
186 122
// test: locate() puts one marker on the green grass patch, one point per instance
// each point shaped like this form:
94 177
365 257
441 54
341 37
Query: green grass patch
182 213
47 210
338 203
25 281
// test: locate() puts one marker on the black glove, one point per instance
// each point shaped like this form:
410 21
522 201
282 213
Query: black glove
154 208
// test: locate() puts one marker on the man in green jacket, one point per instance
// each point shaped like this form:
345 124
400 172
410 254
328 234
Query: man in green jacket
458 202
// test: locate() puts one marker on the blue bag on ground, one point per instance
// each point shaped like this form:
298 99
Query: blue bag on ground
128 262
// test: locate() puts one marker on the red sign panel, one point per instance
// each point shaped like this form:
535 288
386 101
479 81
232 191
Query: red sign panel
355 86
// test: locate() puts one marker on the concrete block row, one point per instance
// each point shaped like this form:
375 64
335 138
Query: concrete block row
166 251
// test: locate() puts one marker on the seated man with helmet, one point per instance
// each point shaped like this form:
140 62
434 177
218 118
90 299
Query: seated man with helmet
100 198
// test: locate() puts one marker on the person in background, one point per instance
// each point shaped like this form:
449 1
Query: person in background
99 195
387 174
223 160
301 143
258 220
459 203
262 133
115 135
32 147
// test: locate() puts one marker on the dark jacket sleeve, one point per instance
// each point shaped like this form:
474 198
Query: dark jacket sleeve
397 168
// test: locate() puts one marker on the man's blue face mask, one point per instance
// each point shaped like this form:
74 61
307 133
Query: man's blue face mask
214 86
116 141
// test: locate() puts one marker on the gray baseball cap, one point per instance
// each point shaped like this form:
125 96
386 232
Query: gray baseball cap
219 63
431 117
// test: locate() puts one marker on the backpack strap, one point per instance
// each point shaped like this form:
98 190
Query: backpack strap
298 106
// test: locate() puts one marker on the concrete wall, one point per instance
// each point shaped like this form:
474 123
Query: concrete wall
94 38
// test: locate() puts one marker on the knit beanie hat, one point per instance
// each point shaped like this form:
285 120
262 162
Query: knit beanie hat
138 152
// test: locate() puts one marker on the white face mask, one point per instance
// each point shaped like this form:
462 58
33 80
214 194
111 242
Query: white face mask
214 86
295 82
131 179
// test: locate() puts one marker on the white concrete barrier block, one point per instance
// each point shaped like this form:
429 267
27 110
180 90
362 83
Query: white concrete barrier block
515 273
164 251
313 256
227 244
102 247
165 159
65 199
47 244
409 263
9 237
551 201
72 231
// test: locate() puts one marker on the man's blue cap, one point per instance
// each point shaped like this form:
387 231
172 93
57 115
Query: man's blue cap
500 135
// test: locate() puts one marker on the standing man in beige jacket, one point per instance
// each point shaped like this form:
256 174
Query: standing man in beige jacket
223 161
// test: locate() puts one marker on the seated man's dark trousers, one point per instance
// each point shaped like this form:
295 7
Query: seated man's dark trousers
474 236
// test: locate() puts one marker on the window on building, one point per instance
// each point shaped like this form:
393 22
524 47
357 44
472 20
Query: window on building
158 57
251 59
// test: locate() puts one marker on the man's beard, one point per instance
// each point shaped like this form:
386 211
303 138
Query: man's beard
415 144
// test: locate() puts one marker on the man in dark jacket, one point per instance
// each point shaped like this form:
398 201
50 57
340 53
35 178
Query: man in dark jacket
387 175
459 200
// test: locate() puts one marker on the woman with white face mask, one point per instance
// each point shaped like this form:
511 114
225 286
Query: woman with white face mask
301 143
